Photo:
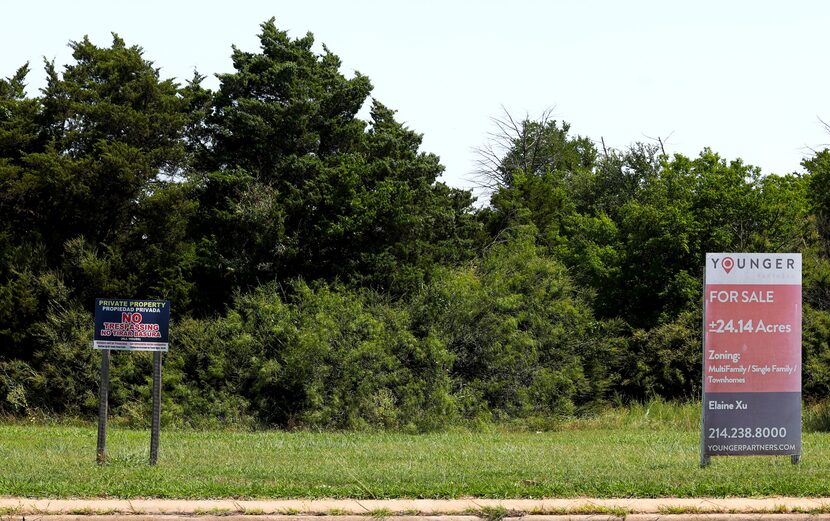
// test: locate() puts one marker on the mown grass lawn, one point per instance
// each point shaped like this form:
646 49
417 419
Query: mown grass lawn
59 461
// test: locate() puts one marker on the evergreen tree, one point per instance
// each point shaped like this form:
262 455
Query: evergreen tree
298 186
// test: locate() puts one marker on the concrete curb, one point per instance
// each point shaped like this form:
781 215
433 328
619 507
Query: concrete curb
455 509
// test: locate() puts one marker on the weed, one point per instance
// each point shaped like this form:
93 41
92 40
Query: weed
380 513
88 511
215 511
677 510
496 513
589 509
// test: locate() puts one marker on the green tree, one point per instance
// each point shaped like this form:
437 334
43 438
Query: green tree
533 147
91 196
26 285
106 177
20 135
298 185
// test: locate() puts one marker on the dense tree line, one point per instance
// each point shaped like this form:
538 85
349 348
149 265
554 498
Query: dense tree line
320 274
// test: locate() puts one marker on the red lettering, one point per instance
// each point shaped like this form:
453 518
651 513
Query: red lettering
134 318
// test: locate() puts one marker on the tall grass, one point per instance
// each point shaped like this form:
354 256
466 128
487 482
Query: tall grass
656 414
816 417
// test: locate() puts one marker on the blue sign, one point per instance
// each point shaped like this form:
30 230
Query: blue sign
131 325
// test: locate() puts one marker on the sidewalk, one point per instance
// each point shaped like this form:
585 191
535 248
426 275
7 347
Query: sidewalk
465 508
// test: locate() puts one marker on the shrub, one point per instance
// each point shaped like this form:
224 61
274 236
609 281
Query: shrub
523 339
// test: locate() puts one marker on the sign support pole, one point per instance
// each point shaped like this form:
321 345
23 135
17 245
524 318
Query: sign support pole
705 459
155 424
103 404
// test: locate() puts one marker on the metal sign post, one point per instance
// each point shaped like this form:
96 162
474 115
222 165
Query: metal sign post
751 355
103 401
154 424
130 325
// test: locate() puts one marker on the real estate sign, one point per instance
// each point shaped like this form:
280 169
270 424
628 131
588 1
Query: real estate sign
752 355
132 325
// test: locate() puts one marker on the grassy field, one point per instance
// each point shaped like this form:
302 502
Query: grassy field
644 452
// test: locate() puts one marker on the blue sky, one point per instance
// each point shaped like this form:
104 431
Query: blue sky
748 79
